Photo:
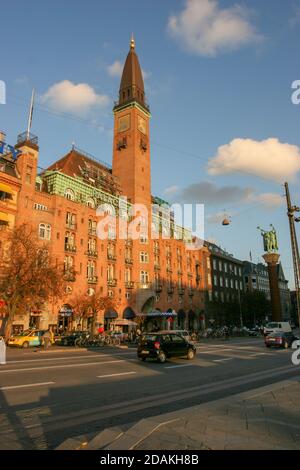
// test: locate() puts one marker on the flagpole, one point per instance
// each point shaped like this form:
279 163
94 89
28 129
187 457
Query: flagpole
30 114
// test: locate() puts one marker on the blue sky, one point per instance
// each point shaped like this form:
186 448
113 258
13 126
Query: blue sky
218 78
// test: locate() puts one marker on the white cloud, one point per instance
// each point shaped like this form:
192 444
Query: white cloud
269 200
115 69
204 28
268 159
295 19
171 190
75 98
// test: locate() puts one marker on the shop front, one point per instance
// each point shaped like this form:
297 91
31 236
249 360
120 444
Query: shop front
65 318
156 320
35 319
109 316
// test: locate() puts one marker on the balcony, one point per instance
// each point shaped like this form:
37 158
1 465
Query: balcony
156 251
92 279
129 284
111 257
170 290
158 288
70 248
157 267
181 290
128 260
145 285
112 282
191 292
92 253
69 276
92 232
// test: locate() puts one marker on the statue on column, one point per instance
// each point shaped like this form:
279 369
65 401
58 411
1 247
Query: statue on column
270 239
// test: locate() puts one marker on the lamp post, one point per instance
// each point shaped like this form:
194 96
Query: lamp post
239 297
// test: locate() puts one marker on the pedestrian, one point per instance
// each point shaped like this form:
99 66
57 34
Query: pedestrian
46 339
51 336
2 351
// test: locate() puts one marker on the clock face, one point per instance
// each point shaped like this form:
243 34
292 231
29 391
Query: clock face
142 125
124 123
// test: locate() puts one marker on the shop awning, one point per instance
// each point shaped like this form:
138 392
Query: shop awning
124 322
3 216
5 188
109 314
157 314
128 314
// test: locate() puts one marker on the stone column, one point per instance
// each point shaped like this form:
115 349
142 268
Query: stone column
272 260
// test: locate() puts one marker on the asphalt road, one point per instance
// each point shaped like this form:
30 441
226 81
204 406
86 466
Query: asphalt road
47 397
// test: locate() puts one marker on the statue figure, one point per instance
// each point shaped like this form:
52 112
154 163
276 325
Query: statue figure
270 239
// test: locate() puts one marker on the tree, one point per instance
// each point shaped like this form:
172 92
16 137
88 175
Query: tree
256 307
85 304
29 277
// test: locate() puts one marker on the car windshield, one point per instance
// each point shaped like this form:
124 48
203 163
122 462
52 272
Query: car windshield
149 338
272 325
25 333
275 335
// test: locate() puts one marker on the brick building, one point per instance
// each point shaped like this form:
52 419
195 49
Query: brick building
62 203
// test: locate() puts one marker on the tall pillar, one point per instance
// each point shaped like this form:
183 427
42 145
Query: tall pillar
272 260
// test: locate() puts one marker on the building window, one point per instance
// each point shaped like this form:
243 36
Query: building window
144 277
69 194
28 175
209 279
71 220
45 231
144 257
215 280
221 282
90 203
143 239
214 264
68 263
92 227
226 267
40 207
91 269
220 266
210 297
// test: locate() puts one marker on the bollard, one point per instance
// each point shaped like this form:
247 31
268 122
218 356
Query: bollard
2 351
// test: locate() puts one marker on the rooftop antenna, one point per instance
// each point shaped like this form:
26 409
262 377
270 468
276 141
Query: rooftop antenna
30 114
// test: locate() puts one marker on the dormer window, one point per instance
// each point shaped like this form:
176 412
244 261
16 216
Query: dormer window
69 194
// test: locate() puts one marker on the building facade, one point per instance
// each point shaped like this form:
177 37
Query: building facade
141 274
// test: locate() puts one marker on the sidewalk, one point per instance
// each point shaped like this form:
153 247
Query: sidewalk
267 418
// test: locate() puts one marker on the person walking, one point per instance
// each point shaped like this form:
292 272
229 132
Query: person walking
46 339
2 351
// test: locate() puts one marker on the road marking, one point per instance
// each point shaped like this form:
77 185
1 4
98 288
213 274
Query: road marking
27 385
115 375
259 354
70 357
181 365
60 367
223 360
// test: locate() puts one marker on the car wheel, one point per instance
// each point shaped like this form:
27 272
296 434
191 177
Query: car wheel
190 354
25 345
161 357
65 342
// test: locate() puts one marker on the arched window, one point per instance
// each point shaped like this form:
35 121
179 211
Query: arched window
45 231
90 203
144 277
69 194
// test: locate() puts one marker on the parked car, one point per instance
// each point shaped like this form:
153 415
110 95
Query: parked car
68 339
164 344
274 327
280 339
27 339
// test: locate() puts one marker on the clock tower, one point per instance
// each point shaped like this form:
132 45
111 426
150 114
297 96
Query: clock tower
131 147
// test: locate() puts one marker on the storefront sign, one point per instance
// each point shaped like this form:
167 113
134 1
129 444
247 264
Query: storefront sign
66 311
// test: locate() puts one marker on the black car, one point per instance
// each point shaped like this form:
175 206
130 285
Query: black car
280 339
69 339
162 345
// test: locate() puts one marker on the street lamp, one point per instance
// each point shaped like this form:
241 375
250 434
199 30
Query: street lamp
239 297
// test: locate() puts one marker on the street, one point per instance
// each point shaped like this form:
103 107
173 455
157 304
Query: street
49 396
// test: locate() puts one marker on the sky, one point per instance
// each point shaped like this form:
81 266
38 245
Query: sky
218 79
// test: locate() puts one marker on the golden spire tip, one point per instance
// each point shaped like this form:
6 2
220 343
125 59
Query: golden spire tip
132 42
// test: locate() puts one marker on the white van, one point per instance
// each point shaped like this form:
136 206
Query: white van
275 327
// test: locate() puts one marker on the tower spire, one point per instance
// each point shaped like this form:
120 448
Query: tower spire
132 42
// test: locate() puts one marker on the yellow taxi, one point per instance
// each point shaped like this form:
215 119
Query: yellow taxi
26 339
